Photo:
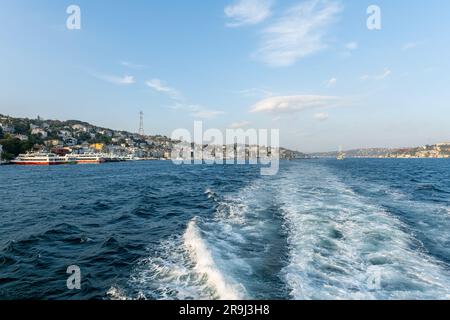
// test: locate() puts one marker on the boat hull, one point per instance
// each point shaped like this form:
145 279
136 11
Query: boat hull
89 161
37 163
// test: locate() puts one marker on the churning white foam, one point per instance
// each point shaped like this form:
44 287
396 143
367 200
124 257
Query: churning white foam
210 260
115 293
184 268
205 264
343 247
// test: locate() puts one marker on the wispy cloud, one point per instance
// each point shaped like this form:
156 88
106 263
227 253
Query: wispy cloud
331 82
321 116
293 104
411 45
248 12
197 111
255 92
117 80
386 73
239 125
159 86
207 114
180 103
298 33
132 65
352 45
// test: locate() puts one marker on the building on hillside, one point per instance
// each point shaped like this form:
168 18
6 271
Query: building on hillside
69 141
63 134
97 146
53 143
6 128
61 151
79 127
21 137
39 131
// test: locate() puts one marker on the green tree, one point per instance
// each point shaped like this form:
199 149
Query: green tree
21 127
14 147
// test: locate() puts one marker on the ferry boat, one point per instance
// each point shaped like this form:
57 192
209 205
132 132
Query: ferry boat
87 158
42 159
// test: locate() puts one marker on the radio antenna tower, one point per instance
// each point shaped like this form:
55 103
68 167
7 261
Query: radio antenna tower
141 124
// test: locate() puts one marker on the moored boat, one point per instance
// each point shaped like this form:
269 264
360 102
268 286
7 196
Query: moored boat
87 158
41 159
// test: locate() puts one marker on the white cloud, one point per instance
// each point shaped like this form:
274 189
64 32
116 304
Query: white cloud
248 12
321 116
239 125
159 86
331 82
125 80
293 104
300 32
411 45
386 73
207 114
351 45
132 65
197 111
180 103
256 92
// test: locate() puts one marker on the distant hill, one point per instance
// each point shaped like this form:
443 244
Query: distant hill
356 153
440 150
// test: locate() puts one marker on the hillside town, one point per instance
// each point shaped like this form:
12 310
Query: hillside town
61 138
21 135
439 150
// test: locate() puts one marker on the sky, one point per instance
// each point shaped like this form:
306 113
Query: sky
312 69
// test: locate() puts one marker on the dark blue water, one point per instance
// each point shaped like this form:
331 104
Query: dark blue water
320 229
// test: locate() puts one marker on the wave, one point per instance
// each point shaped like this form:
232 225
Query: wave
205 264
214 257
184 268
305 234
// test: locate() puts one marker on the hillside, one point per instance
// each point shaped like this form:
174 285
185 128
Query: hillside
439 150
20 135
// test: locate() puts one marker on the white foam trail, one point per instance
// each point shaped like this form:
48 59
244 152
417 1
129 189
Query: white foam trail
340 244
205 265
185 268
117 294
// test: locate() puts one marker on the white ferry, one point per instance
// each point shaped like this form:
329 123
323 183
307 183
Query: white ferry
41 159
87 158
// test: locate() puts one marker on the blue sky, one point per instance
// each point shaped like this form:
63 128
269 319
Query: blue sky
310 68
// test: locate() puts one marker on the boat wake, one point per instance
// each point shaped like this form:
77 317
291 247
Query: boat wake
342 246
305 234
202 262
